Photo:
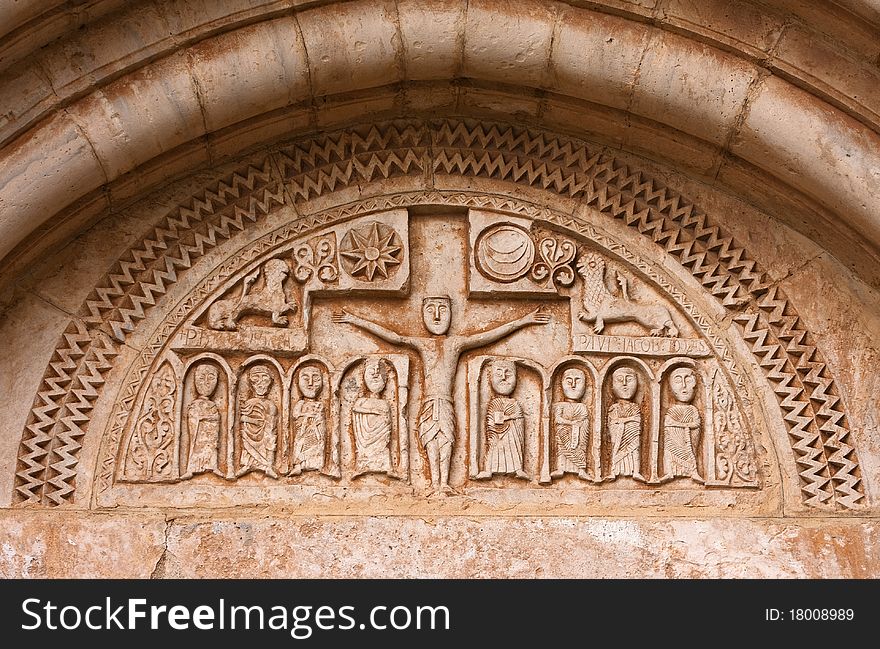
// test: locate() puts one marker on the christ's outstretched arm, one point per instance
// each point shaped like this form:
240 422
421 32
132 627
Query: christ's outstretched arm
376 329
496 334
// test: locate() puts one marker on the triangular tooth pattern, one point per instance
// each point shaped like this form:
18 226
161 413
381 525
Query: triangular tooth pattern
563 165
51 440
37 437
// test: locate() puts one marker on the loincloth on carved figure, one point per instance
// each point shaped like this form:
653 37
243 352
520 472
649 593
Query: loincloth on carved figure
437 420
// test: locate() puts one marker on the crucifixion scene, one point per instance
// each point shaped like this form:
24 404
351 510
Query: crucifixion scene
462 355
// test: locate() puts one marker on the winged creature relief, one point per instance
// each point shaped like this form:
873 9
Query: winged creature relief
603 304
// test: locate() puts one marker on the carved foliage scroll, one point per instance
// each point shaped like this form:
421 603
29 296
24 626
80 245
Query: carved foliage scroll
150 452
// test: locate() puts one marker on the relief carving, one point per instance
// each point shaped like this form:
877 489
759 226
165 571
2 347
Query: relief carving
571 425
205 423
682 426
258 418
271 299
374 400
439 353
606 299
151 447
372 422
504 425
308 418
734 451
372 251
51 440
616 409
316 260
553 267
625 424
504 253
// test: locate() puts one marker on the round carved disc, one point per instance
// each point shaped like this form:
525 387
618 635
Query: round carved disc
504 252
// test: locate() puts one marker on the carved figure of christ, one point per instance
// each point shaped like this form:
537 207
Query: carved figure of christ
439 354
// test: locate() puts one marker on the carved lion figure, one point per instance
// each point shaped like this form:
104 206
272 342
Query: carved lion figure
272 299
601 305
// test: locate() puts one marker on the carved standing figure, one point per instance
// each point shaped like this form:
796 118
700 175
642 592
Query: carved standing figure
309 423
439 354
571 420
681 426
371 421
203 424
625 424
505 425
258 426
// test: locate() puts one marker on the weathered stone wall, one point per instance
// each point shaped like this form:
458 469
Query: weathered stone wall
721 161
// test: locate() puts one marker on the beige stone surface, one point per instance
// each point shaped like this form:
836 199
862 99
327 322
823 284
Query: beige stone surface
152 113
432 37
377 44
253 209
596 57
352 46
265 65
702 98
247 546
73 165
71 547
525 548
754 29
830 151
33 326
512 45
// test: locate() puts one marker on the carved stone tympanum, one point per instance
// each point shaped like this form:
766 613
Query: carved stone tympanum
581 366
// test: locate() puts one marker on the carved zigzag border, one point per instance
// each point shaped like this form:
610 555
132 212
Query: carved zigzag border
48 455
813 408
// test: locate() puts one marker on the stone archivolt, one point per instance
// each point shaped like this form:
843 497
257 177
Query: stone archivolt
811 406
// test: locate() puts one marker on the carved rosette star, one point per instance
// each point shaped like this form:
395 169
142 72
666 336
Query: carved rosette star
372 250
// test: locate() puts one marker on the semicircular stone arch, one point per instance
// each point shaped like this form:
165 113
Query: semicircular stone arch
389 168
